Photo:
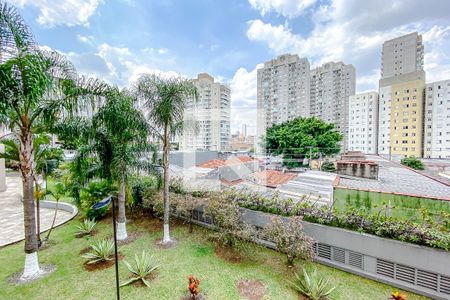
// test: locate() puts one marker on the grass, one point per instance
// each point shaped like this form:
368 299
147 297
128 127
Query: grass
193 255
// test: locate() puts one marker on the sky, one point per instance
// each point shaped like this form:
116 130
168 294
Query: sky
117 40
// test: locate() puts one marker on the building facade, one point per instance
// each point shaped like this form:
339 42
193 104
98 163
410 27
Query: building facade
282 91
363 122
331 86
401 97
207 118
402 55
437 120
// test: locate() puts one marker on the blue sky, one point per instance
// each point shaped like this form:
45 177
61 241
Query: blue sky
117 40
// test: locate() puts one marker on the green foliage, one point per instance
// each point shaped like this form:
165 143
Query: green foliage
298 138
86 227
312 285
94 192
141 186
231 230
413 162
328 166
101 251
289 238
142 267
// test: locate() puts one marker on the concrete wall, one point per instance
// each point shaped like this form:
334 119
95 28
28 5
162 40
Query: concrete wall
362 169
187 159
419 269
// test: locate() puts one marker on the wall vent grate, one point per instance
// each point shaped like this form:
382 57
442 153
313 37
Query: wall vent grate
355 260
405 273
324 251
385 268
445 285
339 255
427 279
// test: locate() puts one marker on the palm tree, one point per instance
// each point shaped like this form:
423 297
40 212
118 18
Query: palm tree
124 128
165 102
36 85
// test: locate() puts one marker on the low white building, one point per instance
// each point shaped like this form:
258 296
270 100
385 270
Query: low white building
363 122
437 120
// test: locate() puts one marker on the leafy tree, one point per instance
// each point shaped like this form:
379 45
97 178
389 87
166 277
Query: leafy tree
36 86
289 238
58 191
300 138
165 101
413 162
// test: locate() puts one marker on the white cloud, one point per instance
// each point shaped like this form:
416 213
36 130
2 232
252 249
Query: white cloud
350 31
87 39
162 50
287 8
243 99
62 12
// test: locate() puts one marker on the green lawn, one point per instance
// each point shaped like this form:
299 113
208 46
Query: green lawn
193 255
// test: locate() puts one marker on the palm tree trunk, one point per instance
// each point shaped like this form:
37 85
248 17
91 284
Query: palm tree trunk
166 238
31 268
121 222
38 221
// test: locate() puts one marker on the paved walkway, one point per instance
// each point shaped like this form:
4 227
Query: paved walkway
11 213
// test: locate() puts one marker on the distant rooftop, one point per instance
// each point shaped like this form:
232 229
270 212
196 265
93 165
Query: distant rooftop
233 160
397 179
272 178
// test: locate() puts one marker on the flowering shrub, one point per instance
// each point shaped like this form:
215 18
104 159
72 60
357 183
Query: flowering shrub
193 287
290 239
397 296
352 219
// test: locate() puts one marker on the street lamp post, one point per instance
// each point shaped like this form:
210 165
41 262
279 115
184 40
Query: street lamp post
101 204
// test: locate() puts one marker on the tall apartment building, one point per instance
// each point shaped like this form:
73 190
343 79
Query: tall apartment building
363 122
437 120
331 86
282 91
211 114
401 97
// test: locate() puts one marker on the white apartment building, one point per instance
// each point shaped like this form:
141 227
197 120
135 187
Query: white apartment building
210 113
437 120
282 91
402 55
331 86
363 122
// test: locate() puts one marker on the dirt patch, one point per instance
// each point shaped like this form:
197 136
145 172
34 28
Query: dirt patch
140 284
81 235
85 250
251 289
228 254
132 236
102 265
302 297
171 244
188 297
45 270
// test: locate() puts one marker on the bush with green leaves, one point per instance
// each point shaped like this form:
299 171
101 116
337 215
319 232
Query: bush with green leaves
312 285
353 219
101 251
141 185
289 238
413 162
86 227
328 166
94 192
230 230
142 267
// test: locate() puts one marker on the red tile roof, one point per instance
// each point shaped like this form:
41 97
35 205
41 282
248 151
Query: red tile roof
217 163
272 178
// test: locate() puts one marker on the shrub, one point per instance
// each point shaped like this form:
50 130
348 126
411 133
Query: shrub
95 191
312 285
328 166
86 227
290 239
193 287
353 219
413 162
142 185
185 206
142 267
231 231
101 251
